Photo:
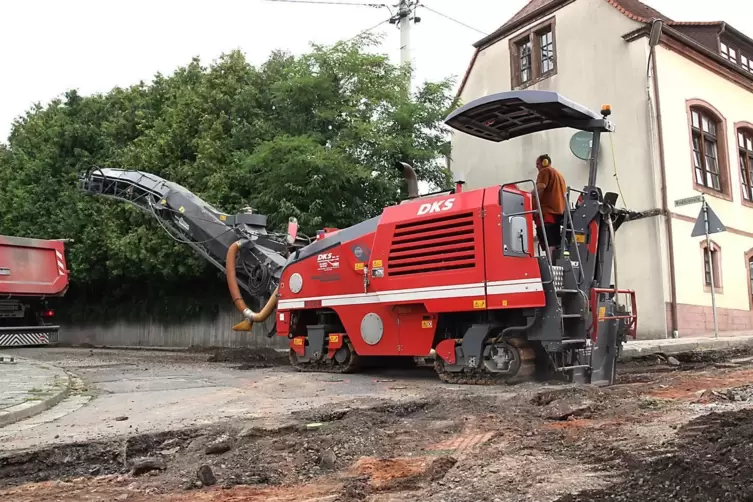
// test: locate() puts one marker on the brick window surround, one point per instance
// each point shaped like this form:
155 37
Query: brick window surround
744 156
749 275
716 263
533 55
708 146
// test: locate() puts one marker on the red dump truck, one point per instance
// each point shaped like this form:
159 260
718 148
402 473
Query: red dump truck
33 275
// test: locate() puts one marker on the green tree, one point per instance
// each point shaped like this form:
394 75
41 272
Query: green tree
314 136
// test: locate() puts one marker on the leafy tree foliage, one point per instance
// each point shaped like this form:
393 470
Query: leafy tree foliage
314 136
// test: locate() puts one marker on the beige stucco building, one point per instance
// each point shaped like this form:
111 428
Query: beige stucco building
683 111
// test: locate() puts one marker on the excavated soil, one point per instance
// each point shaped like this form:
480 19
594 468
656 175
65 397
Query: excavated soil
250 358
662 433
711 459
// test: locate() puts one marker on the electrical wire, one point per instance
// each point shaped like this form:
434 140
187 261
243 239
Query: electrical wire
326 2
366 31
616 177
452 19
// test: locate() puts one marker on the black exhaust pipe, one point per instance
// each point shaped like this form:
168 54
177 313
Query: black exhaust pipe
410 178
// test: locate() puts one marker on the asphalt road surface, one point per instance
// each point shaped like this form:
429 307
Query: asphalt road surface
159 390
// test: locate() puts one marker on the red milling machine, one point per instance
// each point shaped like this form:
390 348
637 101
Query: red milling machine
451 276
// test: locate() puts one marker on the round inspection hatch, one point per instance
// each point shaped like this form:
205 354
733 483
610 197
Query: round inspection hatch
296 283
372 328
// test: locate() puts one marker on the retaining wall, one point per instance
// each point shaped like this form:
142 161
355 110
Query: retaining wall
206 332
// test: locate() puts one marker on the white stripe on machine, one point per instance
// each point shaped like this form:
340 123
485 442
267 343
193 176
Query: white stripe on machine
431 293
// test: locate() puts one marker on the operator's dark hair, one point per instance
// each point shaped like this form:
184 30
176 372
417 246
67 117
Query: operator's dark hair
542 157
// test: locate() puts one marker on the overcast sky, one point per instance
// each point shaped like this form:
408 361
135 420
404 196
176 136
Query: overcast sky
47 47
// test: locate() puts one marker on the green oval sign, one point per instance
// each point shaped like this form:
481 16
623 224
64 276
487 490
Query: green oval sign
580 144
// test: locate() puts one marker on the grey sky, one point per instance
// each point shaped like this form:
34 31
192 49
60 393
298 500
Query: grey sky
47 47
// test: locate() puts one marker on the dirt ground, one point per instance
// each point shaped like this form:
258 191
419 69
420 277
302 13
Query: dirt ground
663 433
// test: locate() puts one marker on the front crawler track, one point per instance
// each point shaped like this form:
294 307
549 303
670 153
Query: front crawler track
347 362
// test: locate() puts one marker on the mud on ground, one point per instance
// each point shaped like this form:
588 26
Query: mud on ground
663 433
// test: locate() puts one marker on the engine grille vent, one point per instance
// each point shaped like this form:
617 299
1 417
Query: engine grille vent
433 245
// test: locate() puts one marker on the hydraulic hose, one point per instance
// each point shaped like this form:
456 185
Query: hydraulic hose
250 316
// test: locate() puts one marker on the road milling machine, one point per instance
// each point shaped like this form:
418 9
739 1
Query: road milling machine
451 277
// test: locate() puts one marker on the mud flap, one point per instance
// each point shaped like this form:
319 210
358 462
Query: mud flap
605 351
473 345
315 349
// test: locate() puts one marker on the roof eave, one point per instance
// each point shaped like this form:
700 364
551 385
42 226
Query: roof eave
506 30
644 31
726 28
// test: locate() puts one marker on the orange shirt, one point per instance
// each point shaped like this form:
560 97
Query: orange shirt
552 196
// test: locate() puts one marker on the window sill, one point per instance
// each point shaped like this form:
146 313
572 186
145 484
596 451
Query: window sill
747 203
535 81
712 192
718 291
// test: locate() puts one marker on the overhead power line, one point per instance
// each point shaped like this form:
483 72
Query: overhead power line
368 30
327 2
451 19
402 18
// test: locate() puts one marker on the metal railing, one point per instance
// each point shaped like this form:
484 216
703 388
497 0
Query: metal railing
569 220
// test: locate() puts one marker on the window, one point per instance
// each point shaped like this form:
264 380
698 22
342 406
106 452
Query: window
546 42
525 64
736 56
745 148
533 55
708 150
712 261
705 151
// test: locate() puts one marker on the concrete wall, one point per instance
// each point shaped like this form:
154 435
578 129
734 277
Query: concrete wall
595 66
214 332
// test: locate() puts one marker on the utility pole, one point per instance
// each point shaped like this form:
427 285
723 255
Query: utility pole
405 14
707 230
403 21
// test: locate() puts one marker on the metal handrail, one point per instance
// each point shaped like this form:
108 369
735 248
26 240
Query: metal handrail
541 220
569 218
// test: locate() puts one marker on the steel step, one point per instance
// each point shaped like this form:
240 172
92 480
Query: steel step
571 316
573 342
567 291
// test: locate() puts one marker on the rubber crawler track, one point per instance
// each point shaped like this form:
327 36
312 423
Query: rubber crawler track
466 377
327 365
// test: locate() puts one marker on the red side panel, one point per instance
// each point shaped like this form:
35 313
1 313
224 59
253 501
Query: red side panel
32 267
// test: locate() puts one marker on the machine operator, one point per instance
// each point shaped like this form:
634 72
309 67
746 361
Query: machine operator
552 189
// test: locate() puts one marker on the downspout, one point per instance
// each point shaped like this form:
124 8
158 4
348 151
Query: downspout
664 203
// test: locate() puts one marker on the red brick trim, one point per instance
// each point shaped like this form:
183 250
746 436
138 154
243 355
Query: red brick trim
722 149
699 319
467 74
748 259
689 219
738 126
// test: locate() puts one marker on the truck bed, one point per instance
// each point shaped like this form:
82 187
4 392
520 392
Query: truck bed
32 267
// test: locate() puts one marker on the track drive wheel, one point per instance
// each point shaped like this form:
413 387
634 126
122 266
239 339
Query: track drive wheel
345 360
505 362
